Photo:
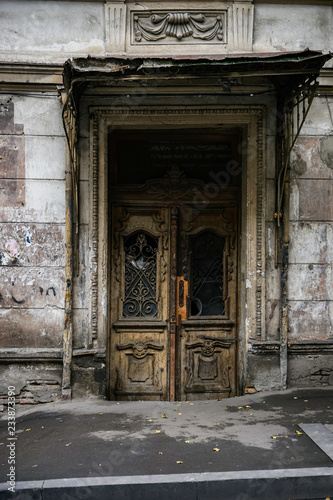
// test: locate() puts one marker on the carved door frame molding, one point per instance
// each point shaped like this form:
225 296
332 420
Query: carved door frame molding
251 120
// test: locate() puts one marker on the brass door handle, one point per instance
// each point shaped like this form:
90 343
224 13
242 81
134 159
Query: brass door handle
181 298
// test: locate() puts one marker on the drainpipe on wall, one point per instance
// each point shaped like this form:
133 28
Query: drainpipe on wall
68 319
282 218
68 330
293 107
284 323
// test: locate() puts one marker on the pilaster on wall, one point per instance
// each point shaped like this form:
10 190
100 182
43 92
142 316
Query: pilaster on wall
242 26
174 28
115 26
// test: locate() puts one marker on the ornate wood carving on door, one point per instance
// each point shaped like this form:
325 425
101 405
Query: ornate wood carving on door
208 335
174 283
139 341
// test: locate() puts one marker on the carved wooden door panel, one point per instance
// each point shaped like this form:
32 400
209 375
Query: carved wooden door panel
207 318
139 307
174 196
173 307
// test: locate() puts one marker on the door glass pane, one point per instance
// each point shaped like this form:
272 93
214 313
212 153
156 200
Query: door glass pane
153 159
137 157
207 274
140 276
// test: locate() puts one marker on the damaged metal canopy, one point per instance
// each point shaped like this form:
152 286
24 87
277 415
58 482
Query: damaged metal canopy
282 67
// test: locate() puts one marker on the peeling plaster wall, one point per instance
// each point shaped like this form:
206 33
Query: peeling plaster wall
292 27
311 231
50 32
310 289
32 227
311 245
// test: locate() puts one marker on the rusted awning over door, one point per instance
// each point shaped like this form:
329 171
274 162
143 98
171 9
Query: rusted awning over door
278 64
291 76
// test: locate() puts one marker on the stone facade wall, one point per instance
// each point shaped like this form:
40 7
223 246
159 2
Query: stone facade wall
32 231
32 197
292 27
52 31
310 294
311 246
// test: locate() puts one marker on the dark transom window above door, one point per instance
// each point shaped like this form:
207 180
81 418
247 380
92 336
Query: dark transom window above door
136 157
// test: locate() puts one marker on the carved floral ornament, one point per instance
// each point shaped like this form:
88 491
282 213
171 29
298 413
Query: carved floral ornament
156 26
140 348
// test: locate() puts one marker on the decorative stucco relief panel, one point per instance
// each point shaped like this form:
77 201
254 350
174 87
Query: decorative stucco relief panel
169 27
186 28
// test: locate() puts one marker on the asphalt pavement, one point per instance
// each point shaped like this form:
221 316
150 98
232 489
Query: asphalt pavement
257 446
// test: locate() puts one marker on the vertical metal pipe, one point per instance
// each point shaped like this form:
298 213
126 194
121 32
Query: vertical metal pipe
68 320
284 322
283 192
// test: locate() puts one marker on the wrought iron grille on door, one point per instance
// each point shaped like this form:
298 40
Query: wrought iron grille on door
140 299
207 250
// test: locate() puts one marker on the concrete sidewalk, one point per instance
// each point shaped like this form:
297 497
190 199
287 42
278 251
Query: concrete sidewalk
240 448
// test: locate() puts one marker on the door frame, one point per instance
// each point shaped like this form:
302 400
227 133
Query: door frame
251 121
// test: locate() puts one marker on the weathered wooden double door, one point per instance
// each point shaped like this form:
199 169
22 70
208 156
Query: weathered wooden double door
173 290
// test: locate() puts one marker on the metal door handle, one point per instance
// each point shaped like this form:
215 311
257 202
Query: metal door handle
182 292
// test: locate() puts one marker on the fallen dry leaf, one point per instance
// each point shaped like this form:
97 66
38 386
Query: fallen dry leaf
157 432
164 415
27 430
68 444
273 437
216 449
179 462
160 452
299 433
186 441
